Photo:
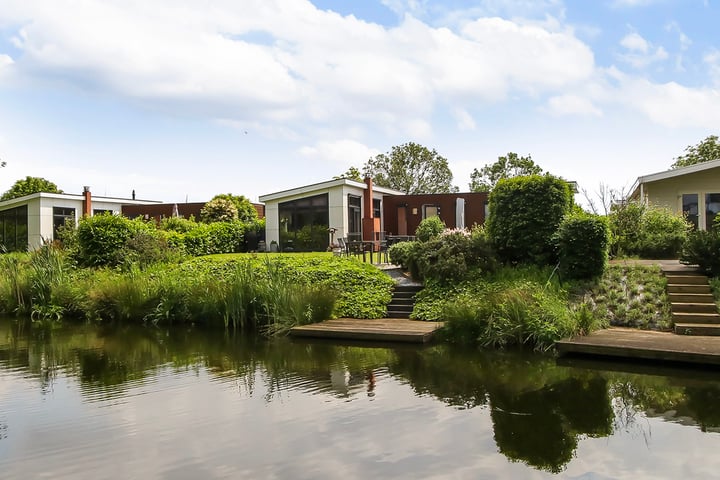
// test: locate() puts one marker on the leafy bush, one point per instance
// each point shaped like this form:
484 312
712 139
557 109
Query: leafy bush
400 253
102 238
219 210
702 248
429 228
647 231
177 224
218 237
245 210
582 241
524 214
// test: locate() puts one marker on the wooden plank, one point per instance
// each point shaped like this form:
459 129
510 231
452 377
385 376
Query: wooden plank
641 344
383 329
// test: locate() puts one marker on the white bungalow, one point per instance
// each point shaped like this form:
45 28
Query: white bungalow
26 222
302 217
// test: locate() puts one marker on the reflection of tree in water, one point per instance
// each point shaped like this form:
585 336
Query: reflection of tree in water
703 404
541 427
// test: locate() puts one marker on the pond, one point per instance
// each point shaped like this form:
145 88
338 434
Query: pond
81 401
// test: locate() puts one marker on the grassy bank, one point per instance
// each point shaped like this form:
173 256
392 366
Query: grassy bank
532 306
244 291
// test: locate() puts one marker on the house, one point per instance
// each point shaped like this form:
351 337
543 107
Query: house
306 218
693 191
26 222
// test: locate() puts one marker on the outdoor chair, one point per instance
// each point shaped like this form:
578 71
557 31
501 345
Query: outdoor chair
343 246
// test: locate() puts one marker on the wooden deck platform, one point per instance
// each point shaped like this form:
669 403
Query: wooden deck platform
646 345
383 329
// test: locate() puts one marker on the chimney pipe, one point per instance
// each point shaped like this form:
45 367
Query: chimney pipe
87 202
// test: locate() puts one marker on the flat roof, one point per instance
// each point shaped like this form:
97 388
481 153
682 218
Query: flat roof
323 186
673 172
75 196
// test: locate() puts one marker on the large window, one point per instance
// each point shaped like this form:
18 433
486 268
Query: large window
14 229
431 211
60 216
712 208
304 224
354 216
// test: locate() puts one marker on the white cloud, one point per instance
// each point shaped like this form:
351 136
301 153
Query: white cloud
572 105
712 60
344 153
286 62
635 42
632 3
640 53
464 120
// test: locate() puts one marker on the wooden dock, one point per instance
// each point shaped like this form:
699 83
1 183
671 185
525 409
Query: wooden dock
382 330
646 345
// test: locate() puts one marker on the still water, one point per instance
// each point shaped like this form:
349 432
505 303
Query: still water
87 402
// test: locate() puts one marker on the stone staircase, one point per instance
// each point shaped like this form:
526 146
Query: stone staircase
693 307
403 301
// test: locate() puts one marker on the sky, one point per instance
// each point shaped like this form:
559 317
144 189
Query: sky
180 100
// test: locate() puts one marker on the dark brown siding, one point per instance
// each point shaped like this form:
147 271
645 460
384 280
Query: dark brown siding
185 210
474 209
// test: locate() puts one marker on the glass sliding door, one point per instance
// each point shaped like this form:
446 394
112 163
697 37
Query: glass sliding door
354 218
304 224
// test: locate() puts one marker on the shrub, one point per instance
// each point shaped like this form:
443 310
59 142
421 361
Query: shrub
582 241
400 253
647 231
429 228
177 224
102 238
218 237
702 248
219 210
524 214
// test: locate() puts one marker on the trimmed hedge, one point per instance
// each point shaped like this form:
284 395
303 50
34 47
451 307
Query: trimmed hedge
582 240
525 212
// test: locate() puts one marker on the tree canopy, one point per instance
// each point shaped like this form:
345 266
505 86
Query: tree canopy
245 210
30 185
353 173
411 168
705 151
509 166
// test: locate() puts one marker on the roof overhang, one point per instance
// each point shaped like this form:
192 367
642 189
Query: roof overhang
316 187
672 173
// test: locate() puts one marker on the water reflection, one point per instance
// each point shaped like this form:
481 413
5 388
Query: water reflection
539 411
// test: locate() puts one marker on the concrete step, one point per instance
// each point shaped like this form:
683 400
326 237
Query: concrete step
408 288
696 318
697 329
396 314
402 301
687 279
678 307
400 308
404 295
691 298
688 288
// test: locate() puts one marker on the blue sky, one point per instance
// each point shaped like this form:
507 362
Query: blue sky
183 99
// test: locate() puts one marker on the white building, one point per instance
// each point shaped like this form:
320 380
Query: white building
26 222
301 217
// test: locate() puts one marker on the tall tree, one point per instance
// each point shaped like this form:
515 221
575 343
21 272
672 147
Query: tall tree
509 166
411 168
353 173
705 151
30 185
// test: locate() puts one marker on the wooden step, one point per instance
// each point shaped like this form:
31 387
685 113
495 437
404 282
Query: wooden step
402 301
687 279
697 329
691 298
688 288
680 307
696 318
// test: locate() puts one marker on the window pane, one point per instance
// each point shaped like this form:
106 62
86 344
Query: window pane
712 208
690 208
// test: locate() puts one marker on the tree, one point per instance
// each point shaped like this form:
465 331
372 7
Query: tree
245 210
411 168
705 151
511 165
30 185
352 174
